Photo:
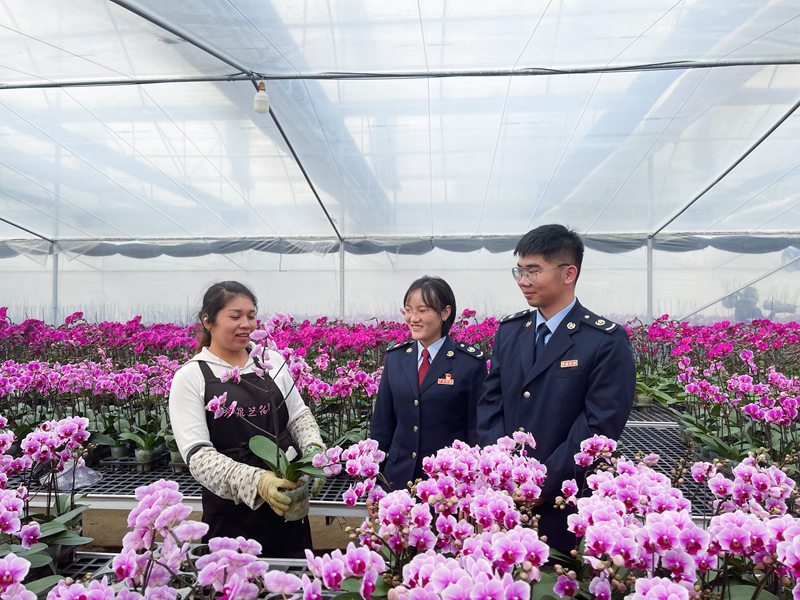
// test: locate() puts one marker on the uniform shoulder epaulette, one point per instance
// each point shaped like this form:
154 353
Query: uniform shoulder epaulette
598 322
518 315
471 350
396 345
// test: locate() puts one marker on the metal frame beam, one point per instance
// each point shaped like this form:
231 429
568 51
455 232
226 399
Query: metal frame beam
185 34
246 74
741 287
129 81
305 174
400 239
736 163
20 227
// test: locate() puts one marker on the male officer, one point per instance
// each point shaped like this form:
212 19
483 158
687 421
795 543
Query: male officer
560 372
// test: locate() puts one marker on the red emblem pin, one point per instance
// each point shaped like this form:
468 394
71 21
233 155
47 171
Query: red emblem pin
446 380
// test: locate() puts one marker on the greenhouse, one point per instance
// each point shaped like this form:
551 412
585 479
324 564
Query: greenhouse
328 154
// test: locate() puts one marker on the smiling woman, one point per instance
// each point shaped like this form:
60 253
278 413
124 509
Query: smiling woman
430 385
240 497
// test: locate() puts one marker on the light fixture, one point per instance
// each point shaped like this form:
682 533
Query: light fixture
261 101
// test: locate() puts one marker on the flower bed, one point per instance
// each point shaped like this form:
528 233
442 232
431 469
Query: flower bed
468 533
737 382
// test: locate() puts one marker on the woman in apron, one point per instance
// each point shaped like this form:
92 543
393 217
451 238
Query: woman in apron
240 497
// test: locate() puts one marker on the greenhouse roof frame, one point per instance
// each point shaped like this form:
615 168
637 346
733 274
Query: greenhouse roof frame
397 127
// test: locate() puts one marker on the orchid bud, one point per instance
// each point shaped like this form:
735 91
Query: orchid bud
572 575
619 560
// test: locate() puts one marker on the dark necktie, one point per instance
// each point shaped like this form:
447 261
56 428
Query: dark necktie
541 332
426 362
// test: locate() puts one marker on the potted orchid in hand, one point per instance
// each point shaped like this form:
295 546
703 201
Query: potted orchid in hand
296 469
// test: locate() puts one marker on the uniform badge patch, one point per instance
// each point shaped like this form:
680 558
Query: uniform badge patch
568 363
446 380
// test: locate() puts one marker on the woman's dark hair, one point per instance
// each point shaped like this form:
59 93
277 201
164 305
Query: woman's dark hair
214 300
437 294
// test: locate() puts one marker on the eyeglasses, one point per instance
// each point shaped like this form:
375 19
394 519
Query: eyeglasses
531 275
422 312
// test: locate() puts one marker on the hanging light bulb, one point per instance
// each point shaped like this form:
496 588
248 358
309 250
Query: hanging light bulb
261 101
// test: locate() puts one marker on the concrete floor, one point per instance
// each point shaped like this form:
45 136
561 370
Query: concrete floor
107 527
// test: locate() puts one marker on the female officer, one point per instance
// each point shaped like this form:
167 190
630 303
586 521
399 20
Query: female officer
240 497
430 385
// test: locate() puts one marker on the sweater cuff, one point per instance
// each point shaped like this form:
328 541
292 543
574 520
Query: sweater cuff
305 432
225 477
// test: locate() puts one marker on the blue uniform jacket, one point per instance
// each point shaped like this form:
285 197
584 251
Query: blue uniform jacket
410 421
582 384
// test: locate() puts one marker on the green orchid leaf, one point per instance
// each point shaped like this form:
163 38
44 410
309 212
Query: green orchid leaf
42 585
101 439
51 528
314 472
71 517
266 450
40 559
351 584
74 540
135 438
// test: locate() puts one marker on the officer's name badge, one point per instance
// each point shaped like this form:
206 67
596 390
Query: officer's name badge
568 363
446 380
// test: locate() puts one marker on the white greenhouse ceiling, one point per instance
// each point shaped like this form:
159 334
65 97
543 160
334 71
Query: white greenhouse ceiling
399 120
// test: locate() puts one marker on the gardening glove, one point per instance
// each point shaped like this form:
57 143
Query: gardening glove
268 489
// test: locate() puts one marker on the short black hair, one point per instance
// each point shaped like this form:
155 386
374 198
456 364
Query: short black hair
555 243
437 294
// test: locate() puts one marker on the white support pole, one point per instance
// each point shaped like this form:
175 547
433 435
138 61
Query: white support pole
649 279
54 301
341 280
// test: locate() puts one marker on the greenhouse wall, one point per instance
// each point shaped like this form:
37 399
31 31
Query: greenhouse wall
169 289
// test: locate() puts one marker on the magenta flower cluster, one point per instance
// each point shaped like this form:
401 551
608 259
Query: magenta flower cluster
763 490
362 461
77 338
330 570
13 570
635 519
457 535
468 490
231 568
595 448
100 379
721 339
52 444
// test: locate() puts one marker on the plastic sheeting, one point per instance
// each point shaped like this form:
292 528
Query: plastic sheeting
421 173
